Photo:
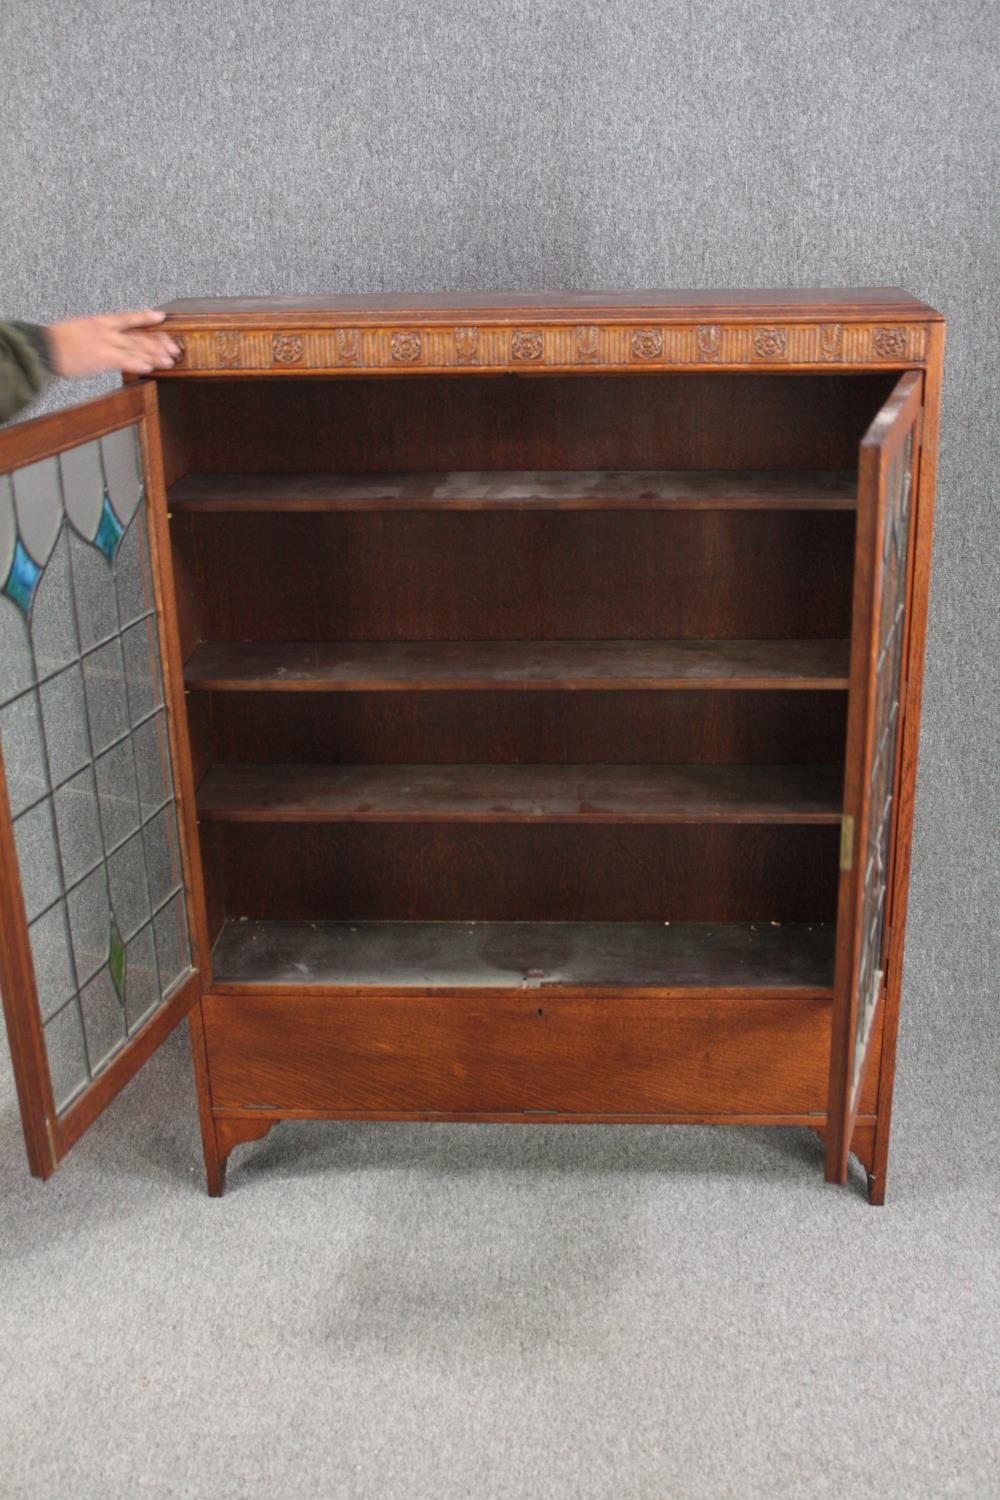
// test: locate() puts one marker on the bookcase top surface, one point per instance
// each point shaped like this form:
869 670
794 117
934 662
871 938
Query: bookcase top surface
734 305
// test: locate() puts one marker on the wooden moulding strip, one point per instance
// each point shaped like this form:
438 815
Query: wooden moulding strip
422 344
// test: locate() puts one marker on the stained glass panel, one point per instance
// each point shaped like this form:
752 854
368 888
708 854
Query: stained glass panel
116 794
38 858
104 675
133 574
122 472
891 595
79 826
18 671
38 503
64 718
55 979
142 669
129 891
67 1054
103 1019
83 487
53 616
172 946
142 981
8 527
152 764
94 594
86 753
23 752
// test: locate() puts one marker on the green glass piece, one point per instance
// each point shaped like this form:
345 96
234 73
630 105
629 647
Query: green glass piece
116 962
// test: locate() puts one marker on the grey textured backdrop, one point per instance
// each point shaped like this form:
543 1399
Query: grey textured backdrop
153 150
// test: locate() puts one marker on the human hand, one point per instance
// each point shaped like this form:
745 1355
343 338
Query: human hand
114 341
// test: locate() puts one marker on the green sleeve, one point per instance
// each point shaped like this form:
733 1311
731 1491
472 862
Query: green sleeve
25 366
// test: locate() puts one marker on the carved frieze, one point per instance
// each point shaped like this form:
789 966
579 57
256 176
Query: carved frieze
557 345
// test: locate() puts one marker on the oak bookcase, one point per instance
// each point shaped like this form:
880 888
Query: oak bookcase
473 708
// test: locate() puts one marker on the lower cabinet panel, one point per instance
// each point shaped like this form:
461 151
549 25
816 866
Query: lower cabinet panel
530 1053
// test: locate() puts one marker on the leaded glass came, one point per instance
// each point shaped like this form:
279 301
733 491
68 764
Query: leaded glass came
85 750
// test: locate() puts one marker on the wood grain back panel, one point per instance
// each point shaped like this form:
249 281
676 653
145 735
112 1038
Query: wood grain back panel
690 421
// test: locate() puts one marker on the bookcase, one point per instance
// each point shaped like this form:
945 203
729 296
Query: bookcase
473 708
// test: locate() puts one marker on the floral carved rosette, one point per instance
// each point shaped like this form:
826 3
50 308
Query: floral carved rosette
526 346
647 343
889 343
286 348
770 343
405 347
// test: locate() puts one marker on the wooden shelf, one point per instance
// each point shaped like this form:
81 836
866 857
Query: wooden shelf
393 666
521 794
527 955
585 489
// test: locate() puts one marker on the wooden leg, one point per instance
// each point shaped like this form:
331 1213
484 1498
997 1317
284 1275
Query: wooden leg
234 1130
215 1171
863 1147
215 1165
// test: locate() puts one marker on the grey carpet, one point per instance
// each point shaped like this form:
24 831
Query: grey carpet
444 1311
432 1312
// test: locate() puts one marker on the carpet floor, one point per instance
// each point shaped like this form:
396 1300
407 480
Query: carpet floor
395 1312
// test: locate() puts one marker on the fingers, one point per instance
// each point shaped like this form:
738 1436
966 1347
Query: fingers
144 318
115 341
131 365
157 351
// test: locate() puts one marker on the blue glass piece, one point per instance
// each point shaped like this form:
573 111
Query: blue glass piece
22 580
109 532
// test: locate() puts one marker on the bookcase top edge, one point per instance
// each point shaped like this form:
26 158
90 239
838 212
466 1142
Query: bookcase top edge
732 305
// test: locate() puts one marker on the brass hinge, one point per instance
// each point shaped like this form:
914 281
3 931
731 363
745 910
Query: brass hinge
846 842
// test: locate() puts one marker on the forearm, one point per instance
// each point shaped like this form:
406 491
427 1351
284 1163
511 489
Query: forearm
25 366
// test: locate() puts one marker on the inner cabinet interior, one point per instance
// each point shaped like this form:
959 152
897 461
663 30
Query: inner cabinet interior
508 650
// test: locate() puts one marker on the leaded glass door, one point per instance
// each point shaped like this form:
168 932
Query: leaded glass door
885 489
96 959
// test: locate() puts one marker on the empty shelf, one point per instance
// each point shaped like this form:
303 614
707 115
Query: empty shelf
584 489
522 793
405 666
527 954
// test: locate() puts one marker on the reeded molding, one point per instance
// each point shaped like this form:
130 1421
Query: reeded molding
554 346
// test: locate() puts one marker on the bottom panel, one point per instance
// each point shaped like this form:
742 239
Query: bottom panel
314 1051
